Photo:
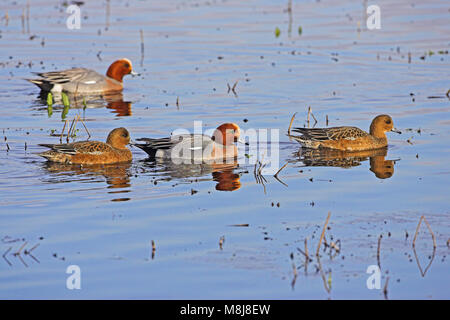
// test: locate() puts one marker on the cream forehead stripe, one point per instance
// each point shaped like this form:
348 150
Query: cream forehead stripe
128 61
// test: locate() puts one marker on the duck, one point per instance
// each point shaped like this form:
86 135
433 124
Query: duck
91 152
194 147
347 138
83 80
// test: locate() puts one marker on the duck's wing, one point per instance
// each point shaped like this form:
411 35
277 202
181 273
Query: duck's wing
154 143
69 75
334 133
183 142
84 147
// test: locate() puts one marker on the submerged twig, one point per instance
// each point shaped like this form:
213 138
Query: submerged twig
326 284
4 256
82 122
234 87
294 269
424 272
385 291
276 174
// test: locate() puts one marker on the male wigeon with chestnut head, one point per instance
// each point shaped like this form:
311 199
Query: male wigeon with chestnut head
195 147
85 81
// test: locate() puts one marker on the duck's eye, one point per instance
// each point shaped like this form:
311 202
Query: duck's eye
124 134
388 121
127 65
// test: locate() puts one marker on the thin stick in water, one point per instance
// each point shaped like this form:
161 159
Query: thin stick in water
142 47
385 291
221 241
323 233
378 250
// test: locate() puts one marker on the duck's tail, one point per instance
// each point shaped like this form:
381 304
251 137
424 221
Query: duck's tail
146 147
42 84
305 142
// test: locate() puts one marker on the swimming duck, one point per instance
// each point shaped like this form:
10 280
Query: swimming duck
197 147
85 81
347 138
92 152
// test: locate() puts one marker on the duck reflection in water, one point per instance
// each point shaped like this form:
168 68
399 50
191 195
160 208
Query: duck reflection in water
382 168
226 178
113 101
117 175
225 174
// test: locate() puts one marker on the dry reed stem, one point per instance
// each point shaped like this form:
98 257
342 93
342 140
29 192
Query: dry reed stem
323 233
82 122
429 229
290 124
276 174
62 132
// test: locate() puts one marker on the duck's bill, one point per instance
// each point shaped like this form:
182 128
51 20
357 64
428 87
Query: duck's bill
134 74
396 131
242 141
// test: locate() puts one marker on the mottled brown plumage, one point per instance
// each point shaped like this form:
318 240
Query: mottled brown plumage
92 152
347 138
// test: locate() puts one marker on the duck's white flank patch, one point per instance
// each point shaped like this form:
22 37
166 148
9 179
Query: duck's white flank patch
159 153
56 88
90 82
